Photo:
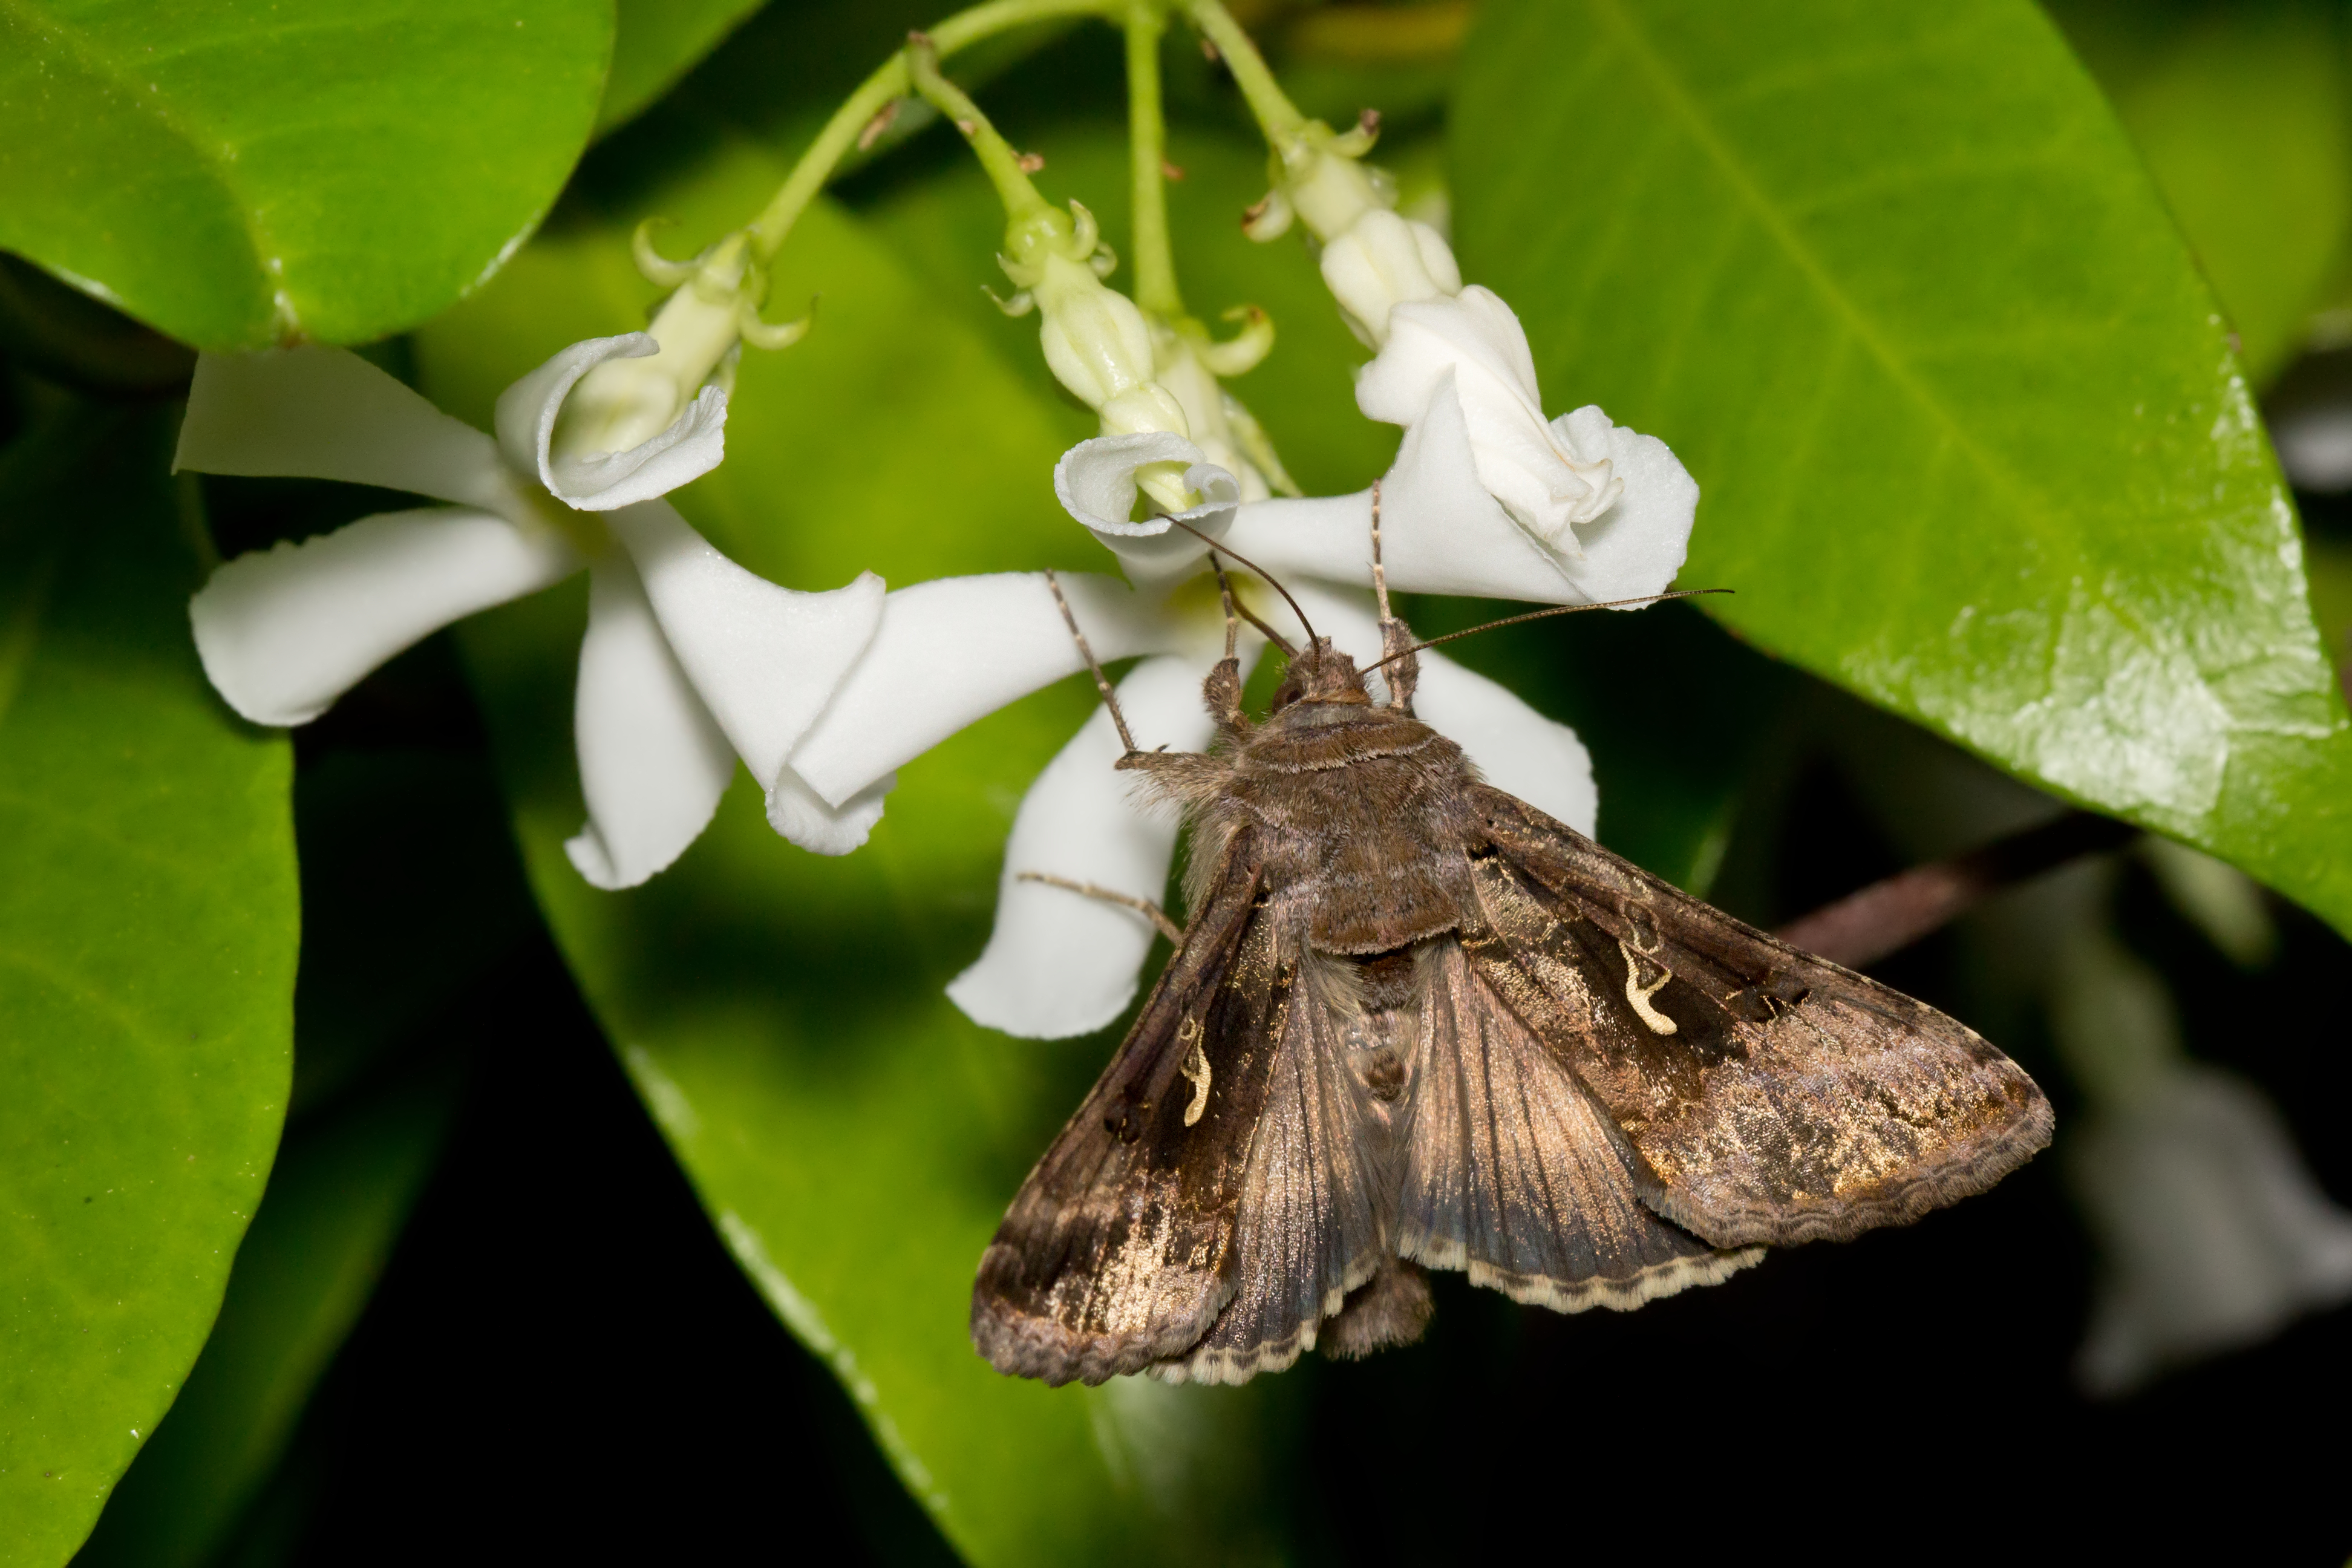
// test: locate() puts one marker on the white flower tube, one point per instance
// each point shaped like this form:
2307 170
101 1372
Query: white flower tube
1097 482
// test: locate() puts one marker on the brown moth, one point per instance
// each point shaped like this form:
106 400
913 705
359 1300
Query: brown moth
1416 1022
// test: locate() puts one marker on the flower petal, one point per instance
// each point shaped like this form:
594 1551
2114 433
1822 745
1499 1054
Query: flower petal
2214 1233
1638 545
604 481
1516 749
1443 532
955 649
653 762
1059 962
327 414
763 658
796 812
285 631
1096 481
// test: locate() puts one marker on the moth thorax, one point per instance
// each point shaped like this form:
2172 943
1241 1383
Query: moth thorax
1321 674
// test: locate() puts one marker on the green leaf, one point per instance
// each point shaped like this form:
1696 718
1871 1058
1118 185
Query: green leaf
852 1136
2241 112
147 943
236 181
342 1190
1970 443
656 42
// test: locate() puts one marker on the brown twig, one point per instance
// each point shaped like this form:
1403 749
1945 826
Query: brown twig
1886 917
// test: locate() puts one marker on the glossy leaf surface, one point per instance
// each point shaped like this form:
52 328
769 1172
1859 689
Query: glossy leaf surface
236 181
2242 112
147 941
1970 442
341 1192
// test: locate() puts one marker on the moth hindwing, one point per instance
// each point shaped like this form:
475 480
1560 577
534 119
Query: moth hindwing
1416 1023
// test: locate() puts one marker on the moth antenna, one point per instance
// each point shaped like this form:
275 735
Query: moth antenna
1394 634
1225 593
1252 617
1102 682
1244 560
1545 614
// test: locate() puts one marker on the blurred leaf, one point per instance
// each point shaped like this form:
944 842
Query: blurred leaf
657 41
410 890
1971 445
2240 109
337 1201
147 943
235 180
852 1136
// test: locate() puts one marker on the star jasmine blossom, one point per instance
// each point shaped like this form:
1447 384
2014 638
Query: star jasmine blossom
689 661
950 651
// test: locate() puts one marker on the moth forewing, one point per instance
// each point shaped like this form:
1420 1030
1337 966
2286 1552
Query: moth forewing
1785 1099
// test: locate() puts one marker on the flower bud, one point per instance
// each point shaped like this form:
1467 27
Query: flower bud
1097 341
624 403
1383 261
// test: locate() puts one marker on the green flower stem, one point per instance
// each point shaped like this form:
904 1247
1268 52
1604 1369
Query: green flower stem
1277 115
996 155
884 88
1155 263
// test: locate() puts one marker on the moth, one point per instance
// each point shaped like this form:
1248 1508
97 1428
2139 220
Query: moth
1414 1023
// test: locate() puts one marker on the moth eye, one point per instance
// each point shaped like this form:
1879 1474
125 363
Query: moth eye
1786 989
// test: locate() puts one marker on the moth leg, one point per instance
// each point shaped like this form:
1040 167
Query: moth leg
1395 639
1157 916
1102 682
1222 690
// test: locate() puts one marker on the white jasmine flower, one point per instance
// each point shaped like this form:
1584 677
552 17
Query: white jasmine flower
951 651
2211 1232
689 659
1605 512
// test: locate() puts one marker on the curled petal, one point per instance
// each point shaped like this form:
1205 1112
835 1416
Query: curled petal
1059 962
285 631
605 481
1443 532
1475 335
1638 545
956 650
1516 748
1096 481
327 414
796 812
763 658
653 762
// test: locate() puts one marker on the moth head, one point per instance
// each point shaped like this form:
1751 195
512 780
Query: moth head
1321 674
